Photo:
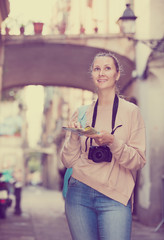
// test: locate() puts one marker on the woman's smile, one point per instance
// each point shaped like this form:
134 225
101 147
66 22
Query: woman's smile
102 80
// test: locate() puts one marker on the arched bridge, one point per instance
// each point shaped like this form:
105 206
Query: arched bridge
60 61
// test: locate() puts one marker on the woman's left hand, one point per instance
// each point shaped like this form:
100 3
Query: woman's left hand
103 138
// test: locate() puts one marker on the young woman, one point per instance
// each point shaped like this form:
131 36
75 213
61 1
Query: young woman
100 192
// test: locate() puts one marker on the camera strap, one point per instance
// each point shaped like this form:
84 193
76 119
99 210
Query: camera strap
114 113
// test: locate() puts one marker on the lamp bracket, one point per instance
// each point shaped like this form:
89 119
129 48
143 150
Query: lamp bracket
154 44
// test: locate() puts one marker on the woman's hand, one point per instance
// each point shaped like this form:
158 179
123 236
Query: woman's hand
103 138
74 124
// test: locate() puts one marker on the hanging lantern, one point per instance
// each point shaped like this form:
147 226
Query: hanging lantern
127 21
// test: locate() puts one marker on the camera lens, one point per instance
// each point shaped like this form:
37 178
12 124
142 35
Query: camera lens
98 155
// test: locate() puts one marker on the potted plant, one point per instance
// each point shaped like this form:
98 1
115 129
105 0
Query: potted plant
22 29
61 27
82 29
38 27
8 25
7 30
21 23
96 29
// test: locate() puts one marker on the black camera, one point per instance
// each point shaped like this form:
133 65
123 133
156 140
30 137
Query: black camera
100 154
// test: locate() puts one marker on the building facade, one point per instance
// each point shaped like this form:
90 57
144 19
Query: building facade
149 90
4 11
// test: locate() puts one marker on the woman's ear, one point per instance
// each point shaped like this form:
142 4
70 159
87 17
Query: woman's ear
118 76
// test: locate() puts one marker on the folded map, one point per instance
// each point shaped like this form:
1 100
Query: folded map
82 131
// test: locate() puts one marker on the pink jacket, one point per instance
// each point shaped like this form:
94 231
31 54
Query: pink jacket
115 179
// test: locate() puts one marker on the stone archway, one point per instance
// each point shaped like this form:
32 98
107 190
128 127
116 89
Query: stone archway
53 64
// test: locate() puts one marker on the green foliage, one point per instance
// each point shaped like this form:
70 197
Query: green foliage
34 164
11 94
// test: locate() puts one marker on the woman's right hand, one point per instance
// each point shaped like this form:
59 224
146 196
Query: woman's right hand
74 124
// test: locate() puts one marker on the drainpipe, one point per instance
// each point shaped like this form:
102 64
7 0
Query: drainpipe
4 12
107 17
1 64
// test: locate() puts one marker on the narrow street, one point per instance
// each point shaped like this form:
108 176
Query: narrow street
43 218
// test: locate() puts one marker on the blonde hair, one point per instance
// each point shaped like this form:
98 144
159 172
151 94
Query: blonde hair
110 55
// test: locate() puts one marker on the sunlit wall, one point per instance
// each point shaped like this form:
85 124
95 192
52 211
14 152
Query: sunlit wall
74 13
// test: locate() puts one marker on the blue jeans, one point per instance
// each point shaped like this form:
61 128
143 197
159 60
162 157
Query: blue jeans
94 216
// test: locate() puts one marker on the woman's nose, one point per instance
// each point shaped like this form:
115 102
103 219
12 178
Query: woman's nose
101 72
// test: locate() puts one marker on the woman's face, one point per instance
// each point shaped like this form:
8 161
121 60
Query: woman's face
104 72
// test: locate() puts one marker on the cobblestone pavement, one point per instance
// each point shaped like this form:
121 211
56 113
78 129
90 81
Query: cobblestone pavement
43 218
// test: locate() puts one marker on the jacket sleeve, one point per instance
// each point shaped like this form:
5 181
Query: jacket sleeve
71 149
131 154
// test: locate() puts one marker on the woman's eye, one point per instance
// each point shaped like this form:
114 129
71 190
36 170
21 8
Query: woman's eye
96 69
107 68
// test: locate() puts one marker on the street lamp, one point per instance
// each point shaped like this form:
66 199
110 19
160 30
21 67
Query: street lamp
127 21
127 27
